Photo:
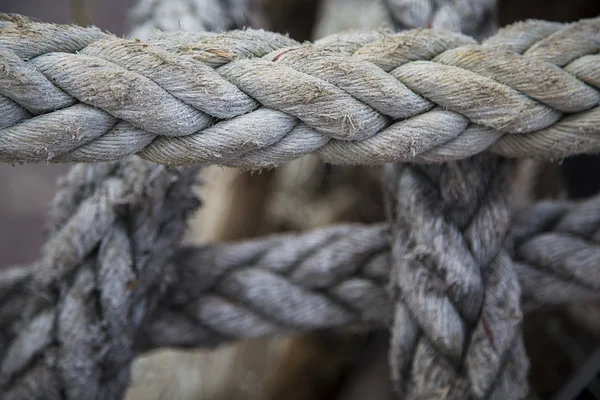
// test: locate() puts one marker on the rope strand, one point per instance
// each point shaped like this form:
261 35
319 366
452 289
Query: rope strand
354 281
419 95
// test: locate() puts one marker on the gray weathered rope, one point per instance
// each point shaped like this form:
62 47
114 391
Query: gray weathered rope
354 98
113 229
457 319
114 226
263 287
215 291
456 330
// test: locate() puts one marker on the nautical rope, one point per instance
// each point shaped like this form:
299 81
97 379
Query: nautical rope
107 286
113 229
456 330
457 319
254 99
215 292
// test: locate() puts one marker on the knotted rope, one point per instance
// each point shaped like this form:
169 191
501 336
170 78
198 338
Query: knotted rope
255 99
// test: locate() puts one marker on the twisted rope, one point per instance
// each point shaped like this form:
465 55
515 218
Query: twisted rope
456 327
215 292
255 99
457 317
113 228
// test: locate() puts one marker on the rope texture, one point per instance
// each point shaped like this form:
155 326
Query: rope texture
334 277
113 229
456 331
337 277
456 327
255 99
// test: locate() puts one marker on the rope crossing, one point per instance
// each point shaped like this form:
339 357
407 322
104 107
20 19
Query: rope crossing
291 283
450 274
256 99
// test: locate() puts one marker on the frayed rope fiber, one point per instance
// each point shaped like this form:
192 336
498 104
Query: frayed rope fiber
256 99
446 274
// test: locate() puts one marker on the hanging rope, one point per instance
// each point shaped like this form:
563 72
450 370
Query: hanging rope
456 327
102 272
267 103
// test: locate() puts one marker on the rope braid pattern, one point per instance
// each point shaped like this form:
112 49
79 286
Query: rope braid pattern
113 229
255 99
456 327
342 271
215 292
456 331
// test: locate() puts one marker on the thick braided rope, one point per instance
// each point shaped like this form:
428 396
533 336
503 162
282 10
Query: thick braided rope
105 261
337 277
114 227
255 99
334 277
457 318
456 327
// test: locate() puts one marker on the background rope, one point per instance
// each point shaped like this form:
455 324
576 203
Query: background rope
473 17
214 291
314 99
456 327
113 228
188 15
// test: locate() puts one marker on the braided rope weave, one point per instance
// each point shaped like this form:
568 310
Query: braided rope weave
113 230
347 290
255 99
104 291
342 272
